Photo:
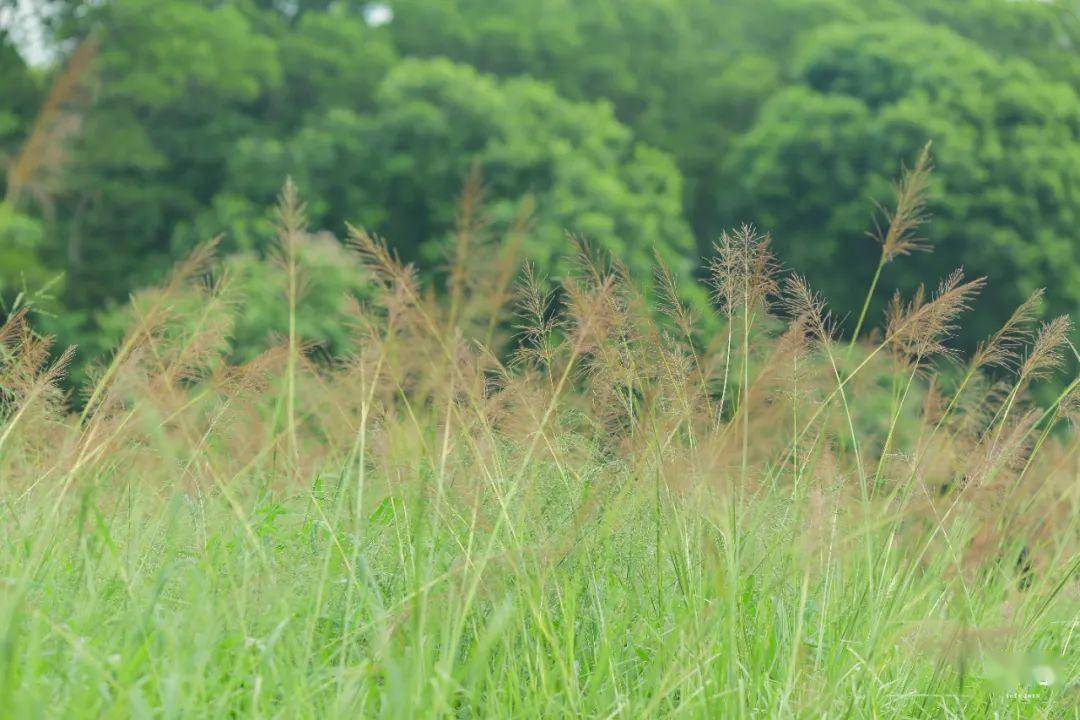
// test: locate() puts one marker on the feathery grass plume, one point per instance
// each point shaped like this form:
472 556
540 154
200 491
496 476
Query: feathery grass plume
591 311
28 380
979 408
252 378
176 374
497 299
743 271
481 264
620 366
783 379
588 265
203 347
37 168
193 340
1070 406
810 324
597 348
807 309
21 355
1046 355
933 405
468 227
742 275
668 299
917 330
11 328
900 225
153 311
398 284
291 232
537 321
1003 349
671 305
810 312
1000 457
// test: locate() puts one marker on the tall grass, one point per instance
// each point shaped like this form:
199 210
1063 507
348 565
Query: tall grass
537 503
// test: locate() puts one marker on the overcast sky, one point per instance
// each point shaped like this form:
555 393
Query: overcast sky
23 23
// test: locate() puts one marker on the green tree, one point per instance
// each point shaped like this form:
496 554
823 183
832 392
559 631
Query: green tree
400 168
22 93
173 80
789 112
21 269
1045 33
20 234
662 64
1007 149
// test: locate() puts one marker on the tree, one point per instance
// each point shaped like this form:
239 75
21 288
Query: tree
20 234
1007 148
661 64
1045 33
628 120
22 95
172 78
400 168
21 269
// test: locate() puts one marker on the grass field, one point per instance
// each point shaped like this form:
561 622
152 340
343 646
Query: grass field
514 503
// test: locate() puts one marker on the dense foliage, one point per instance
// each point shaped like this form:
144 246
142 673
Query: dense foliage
637 124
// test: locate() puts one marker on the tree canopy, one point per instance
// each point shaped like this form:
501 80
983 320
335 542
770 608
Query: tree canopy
639 125
1007 148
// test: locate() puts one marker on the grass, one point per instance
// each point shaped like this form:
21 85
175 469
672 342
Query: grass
538 504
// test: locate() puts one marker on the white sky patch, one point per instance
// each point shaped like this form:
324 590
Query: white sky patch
377 14
23 23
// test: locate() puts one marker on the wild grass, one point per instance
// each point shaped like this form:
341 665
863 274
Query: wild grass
513 501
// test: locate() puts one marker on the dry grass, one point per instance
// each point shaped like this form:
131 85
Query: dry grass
627 518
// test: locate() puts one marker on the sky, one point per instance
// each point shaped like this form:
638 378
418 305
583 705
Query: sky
22 21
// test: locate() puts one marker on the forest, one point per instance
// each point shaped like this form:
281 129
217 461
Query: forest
640 126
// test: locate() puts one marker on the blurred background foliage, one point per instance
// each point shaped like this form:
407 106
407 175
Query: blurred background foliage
147 126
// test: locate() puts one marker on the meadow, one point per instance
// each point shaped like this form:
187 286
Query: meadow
528 497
